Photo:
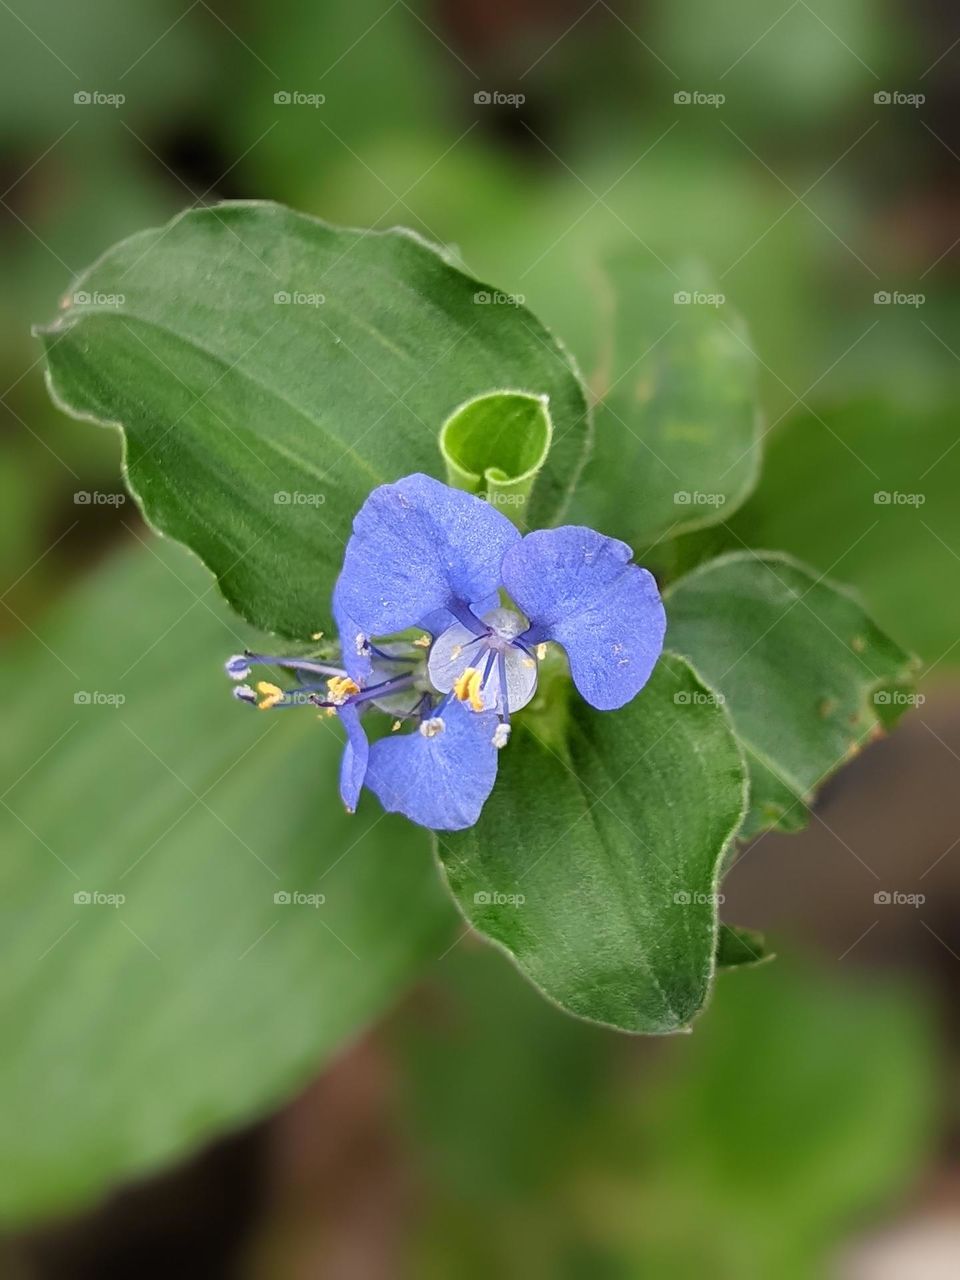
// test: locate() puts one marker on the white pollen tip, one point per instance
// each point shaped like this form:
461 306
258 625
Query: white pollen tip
237 667
501 736
430 728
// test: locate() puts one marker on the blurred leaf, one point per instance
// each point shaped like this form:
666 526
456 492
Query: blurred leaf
677 420
804 1101
263 399
58 49
903 554
737 948
595 861
804 671
133 1032
480 1032
384 73
794 66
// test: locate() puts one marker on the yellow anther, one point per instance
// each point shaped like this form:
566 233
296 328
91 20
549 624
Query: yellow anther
317 635
341 688
466 687
397 724
541 651
423 642
270 695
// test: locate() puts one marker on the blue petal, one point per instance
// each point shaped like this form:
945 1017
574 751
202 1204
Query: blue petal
356 754
354 649
419 546
442 781
578 588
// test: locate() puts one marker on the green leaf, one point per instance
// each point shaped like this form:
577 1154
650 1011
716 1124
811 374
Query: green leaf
822 475
738 948
712 1115
595 867
496 444
268 370
804 672
677 419
854 1058
133 1032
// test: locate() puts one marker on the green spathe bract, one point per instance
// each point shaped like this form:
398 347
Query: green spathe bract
495 445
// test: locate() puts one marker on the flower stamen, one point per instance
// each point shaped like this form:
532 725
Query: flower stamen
467 688
341 688
270 695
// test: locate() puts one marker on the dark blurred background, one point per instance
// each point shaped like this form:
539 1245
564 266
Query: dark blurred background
808 1127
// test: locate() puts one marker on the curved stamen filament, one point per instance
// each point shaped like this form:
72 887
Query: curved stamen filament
295 664
382 690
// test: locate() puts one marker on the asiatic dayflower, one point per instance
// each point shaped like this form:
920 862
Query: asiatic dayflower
427 557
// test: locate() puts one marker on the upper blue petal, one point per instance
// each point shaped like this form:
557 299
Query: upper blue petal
578 588
356 754
417 547
442 781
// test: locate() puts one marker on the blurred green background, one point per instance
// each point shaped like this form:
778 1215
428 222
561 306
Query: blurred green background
808 1127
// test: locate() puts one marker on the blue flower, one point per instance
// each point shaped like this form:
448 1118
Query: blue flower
425 556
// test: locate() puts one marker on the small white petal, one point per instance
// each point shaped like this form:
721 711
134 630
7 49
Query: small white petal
456 649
